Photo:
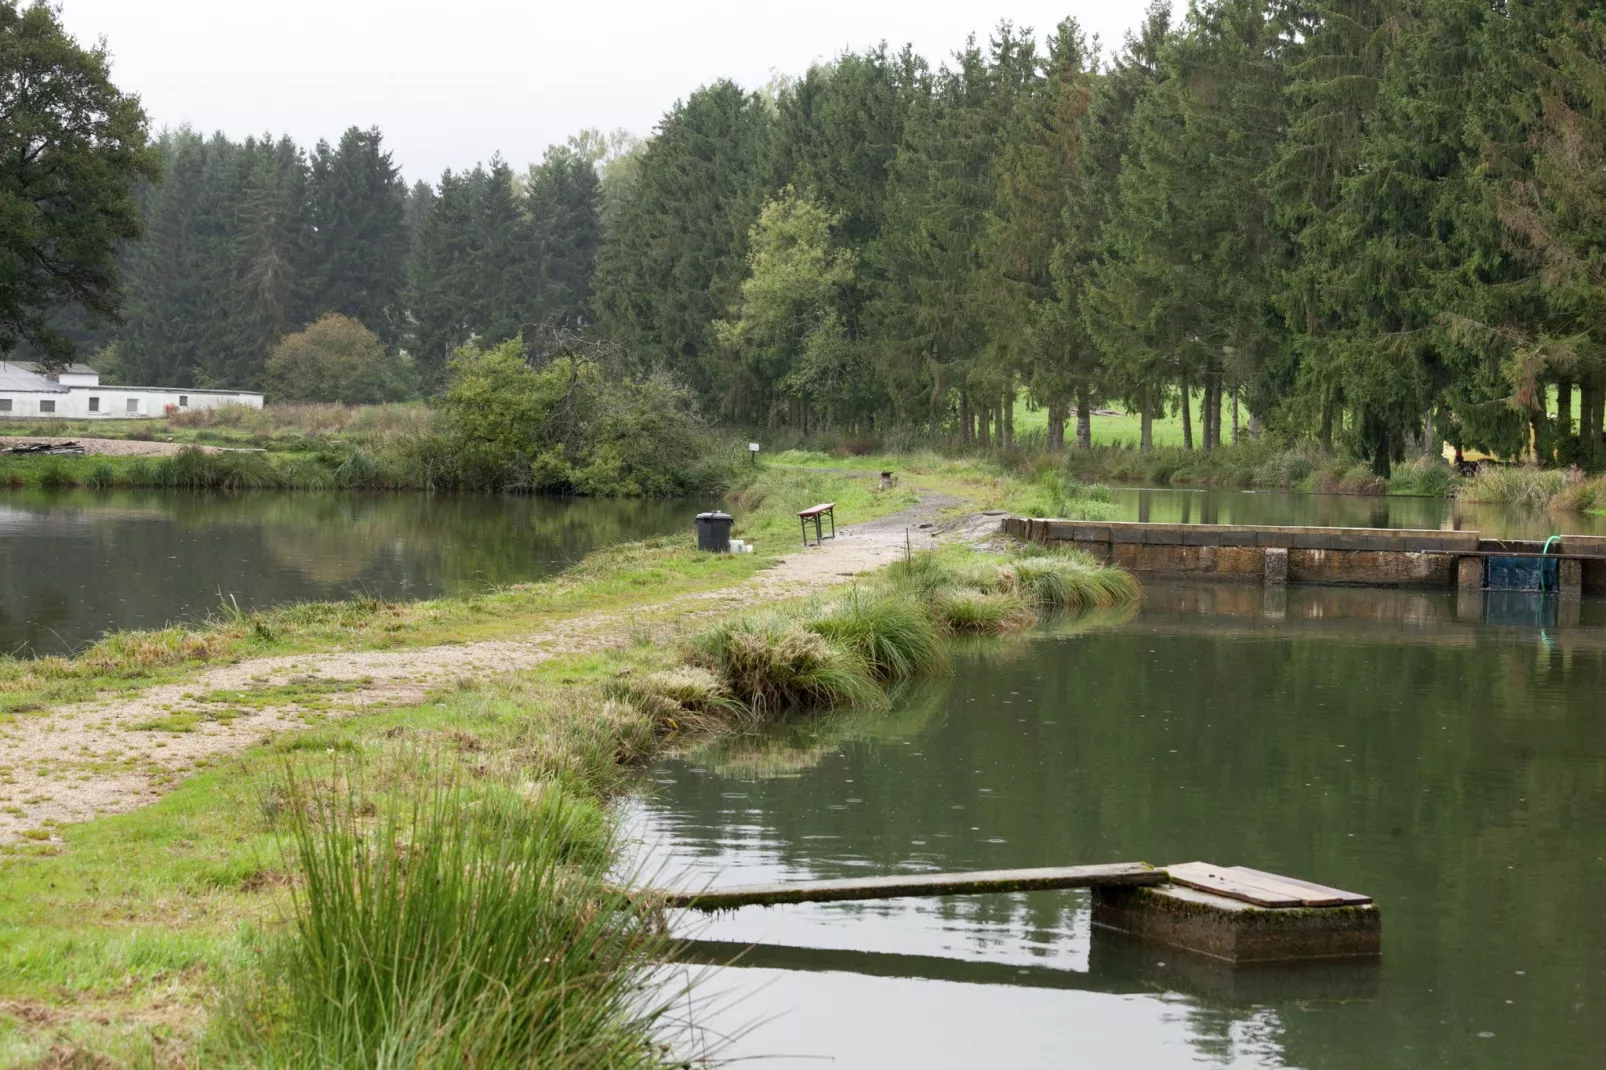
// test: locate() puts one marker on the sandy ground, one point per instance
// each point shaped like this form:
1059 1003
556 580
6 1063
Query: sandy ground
107 447
76 762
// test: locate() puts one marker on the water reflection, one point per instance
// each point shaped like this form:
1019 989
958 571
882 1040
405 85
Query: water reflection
1392 741
73 565
1174 505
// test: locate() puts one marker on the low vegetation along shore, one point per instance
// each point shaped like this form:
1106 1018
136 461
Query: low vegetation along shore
410 447
428 883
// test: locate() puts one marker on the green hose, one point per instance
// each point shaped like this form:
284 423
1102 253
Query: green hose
1553 538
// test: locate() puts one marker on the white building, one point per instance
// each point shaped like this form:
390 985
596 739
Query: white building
75 393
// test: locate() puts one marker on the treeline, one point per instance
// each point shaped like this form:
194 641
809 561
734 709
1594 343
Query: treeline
1369 224
246 243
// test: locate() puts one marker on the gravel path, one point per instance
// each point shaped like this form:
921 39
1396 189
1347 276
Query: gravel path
76 762
107 447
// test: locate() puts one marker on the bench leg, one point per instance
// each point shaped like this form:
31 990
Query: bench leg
803 520
833 523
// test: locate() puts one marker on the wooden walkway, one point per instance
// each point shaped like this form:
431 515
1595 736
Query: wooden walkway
1117 874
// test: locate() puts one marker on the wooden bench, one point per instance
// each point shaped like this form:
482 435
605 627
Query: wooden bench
815 513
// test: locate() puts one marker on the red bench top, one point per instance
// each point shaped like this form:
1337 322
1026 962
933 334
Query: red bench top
817 510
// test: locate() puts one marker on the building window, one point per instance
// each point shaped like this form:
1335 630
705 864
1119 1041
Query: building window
183 401
94 404
5 404
47 406
133 405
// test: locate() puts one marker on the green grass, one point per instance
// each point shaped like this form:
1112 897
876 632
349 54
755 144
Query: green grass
893 636
1126 429
1523 488
172 936
461 926
772 664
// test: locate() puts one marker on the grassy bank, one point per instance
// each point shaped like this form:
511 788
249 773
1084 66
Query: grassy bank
268 912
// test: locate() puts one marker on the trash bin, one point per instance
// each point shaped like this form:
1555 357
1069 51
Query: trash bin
714 532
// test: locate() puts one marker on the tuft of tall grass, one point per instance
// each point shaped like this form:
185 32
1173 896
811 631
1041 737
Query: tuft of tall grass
1428 477
1528 488
1055 493
968 610
893 635
772 664
456 928
682 697
1064 581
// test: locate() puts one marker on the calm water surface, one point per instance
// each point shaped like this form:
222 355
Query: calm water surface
1390 742
1175 505
74 565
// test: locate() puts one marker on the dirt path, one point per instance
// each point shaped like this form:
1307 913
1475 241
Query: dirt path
108 447
75 762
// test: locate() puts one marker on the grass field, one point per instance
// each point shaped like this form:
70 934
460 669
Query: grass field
1127 429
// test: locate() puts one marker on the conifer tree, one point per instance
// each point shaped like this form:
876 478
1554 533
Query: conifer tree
359 244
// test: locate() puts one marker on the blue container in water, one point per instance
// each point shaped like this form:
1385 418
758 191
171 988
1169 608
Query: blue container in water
1521 573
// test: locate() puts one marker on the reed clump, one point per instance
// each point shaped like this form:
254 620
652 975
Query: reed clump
773 663
438 923
844 653
1519 487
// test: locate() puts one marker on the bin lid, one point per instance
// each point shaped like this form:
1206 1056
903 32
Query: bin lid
715 515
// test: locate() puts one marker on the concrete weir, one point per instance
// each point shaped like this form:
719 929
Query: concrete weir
1278 556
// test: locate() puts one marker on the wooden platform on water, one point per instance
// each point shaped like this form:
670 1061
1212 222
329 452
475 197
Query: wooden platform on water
1232 913
1124 874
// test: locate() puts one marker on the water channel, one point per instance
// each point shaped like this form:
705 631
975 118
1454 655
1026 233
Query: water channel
1375 740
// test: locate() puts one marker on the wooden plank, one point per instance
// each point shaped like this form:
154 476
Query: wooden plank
1222 881
1310 893
1126 874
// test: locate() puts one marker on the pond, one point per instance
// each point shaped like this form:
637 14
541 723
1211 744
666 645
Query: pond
74 565
1374 740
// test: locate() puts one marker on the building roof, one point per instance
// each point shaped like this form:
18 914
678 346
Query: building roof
75 368
19 375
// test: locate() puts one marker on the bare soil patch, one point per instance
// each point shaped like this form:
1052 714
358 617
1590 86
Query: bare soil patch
110 447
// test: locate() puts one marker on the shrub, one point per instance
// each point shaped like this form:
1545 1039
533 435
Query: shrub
335 359
569 427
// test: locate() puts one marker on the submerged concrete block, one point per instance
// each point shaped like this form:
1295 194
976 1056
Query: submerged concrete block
1469 572
1235 931
1571 574
1276 566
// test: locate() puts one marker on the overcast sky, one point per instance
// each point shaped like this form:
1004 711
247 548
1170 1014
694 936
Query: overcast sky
451 83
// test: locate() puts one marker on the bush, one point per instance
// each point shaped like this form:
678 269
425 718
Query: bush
569 427
335 359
